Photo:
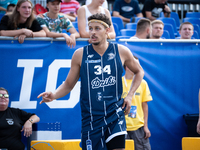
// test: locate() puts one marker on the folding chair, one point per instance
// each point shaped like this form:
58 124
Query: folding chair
192 14
165 35
131 26
118 21
170 29
128 32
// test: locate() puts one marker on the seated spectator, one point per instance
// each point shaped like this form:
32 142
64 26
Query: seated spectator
21 23
10 8
157 29
186 30
143 30
70 8
104 5
4 4
126 10
53 23
13 122
87 10
153 8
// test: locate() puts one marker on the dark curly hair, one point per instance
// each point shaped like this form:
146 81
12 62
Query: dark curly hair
100 16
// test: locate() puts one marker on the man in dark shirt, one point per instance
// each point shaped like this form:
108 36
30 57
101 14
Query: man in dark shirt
153 8
126 9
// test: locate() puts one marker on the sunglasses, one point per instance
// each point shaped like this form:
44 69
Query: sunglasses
5 95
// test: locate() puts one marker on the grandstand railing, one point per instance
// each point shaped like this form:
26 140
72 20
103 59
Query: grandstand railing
110 40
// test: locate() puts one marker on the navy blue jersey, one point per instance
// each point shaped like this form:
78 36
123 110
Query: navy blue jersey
101 86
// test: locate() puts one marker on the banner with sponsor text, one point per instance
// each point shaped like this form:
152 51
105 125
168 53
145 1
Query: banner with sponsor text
172 71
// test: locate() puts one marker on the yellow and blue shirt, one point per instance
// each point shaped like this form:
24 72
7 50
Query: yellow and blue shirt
142 95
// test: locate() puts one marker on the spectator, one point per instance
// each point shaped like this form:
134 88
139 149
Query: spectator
198 124
157 29
126 10
143 30
4 4
13 122
53 23
87 10
70 7
153 8
100 66
21 23
104 5
137 119
10 8
186 30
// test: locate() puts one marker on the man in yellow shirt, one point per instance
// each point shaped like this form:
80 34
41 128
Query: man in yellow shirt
136 120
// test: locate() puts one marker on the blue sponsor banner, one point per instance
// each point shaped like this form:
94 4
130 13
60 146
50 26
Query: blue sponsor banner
172 71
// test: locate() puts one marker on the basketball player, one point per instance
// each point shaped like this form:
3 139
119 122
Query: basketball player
100 67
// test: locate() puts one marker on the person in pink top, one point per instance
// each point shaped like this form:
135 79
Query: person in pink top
70 7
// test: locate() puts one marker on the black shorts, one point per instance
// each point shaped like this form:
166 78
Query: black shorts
116 142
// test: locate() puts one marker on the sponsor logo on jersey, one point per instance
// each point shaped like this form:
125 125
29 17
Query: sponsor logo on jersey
99 96
90 56
97 83
89 144
92 61
111 56
121 122
119 109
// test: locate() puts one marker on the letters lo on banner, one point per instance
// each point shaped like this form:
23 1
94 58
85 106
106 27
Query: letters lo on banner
29 66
